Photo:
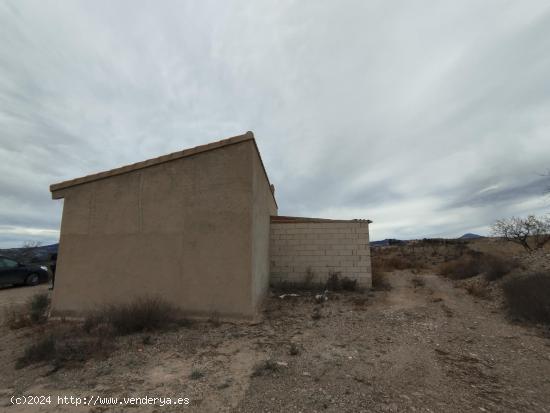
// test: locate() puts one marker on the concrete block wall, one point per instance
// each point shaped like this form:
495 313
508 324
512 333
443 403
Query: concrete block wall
321 247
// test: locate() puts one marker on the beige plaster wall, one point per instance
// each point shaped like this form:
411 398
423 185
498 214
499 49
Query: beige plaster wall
182 230
322 247
263 206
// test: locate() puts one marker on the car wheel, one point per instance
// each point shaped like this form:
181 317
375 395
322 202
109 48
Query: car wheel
32 279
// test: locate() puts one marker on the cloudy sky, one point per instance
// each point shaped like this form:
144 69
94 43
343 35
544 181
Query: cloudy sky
432 118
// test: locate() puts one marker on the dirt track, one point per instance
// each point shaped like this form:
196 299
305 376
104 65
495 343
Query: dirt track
431 348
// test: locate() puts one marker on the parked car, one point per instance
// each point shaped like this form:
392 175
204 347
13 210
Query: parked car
15 273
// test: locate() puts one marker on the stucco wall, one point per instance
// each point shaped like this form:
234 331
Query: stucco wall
321 247
263 206
182 229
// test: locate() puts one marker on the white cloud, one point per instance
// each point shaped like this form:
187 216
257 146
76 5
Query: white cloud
395 111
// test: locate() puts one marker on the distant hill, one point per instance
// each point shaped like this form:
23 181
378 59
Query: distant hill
387 241
392 241
469 235
35 254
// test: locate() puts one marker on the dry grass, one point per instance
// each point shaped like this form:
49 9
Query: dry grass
34 311
380 266
69 343
196 375
265 368
493 267
64 346
497 267
335 282
142 314
477 290
294 349
461 268
527 297
306 284
387 262
380 281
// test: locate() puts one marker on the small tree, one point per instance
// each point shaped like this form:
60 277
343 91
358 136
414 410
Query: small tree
531 233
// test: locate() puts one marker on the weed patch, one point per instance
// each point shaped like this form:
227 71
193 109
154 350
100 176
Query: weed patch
143 314
63 347
265 368
34 311
196 375
477 290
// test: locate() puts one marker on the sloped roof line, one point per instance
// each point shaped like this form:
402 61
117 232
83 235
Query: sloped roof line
281 219
248 136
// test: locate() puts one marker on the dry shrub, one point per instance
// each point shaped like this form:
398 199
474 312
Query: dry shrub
68 344
391 263
142 314
527 297
497 267
39 304
16 317
334 283
306 284
39 351
477 290
461 268
265 368
396 263
294 349
196 375
474 263
337 283
34 311
380 266
348 284
63 347
380 281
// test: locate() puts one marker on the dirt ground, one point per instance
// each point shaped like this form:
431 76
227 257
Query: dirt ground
10 296
430 348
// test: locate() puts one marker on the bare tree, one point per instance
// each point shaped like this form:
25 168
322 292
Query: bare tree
26 252
531 233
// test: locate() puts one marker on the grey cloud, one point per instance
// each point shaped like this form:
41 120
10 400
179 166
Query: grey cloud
395 111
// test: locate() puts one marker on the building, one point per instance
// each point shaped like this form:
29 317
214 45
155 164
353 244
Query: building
192 227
